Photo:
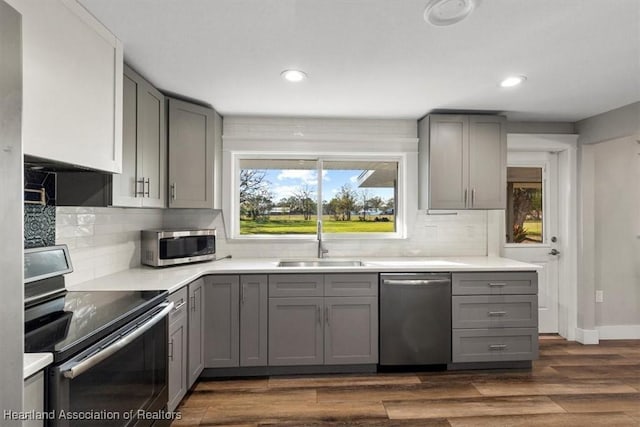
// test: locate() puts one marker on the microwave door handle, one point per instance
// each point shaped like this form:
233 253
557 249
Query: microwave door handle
103 354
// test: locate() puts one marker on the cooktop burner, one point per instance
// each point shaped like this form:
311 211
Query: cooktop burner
68 323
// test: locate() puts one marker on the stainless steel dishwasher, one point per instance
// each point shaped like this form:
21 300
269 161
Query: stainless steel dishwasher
415 318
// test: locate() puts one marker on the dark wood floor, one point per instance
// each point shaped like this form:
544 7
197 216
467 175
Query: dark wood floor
570 385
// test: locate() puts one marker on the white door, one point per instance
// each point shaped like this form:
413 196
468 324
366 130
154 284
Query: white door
532 225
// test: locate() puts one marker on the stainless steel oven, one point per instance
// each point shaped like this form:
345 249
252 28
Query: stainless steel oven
110 351
121 380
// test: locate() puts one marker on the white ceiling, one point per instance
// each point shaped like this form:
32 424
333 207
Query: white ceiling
379 58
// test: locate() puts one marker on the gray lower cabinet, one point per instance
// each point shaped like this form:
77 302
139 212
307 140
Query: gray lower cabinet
253 320
296 331
196 325
317 319
351 330
194 147
33 398
235 321
178 334
494 316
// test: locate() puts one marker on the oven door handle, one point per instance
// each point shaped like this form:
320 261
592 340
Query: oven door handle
93 360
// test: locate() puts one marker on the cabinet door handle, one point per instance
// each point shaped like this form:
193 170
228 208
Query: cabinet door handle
473 196
179 306
498 347
326 315
193 303
319 312
497 313
147 182
140 181
171 350
465 197
242 290
174 191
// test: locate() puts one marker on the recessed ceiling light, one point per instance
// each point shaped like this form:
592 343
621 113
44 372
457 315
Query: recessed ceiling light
448 12
293 75
512 81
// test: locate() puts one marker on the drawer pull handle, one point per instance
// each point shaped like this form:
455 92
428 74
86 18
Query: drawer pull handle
179 306
497 313
497 347
497 284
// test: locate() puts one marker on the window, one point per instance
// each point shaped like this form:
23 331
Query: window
524 205
280 197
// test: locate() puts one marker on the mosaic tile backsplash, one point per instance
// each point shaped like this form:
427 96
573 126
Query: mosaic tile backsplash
39 209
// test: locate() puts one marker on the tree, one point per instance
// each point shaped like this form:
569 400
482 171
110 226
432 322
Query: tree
346 202
255 197
305 198
364 197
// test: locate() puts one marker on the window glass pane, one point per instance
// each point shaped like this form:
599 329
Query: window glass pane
524 205
359 196
278 196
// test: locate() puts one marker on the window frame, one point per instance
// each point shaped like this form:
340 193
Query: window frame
543 163
233 189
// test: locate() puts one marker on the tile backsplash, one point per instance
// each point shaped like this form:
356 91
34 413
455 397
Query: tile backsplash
39 208
103 241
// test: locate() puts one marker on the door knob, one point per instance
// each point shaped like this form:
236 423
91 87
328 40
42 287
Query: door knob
554 252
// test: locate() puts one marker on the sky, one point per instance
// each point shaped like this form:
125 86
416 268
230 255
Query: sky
285 182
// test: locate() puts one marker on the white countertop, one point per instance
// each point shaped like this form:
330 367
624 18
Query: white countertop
174 278
34 362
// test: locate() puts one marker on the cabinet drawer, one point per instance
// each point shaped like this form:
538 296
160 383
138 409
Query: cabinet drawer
487 311
494 345
336 285
494 283
180 301
296 285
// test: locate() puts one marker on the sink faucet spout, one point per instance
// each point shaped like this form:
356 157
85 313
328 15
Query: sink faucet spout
321 250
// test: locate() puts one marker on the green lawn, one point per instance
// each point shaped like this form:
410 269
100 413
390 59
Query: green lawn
295 224
534 230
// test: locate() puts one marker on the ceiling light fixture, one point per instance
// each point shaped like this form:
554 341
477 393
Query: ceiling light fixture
448 12
512 81
294 76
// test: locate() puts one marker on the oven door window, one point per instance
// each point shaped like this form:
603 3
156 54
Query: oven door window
133 378
185 247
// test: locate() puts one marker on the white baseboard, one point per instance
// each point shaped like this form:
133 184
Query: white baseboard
587 336
619 332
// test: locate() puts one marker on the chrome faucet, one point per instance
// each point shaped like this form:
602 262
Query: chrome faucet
321 250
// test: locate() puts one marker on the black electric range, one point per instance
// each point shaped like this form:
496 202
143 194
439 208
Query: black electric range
109 347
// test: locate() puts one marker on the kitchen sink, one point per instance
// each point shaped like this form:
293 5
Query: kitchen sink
321 263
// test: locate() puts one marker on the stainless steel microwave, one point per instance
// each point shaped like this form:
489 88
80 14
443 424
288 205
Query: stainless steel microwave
162 248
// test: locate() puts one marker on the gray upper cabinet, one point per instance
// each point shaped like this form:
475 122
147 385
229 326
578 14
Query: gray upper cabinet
194 138
196 329
253 320
222 321
463 162
144 158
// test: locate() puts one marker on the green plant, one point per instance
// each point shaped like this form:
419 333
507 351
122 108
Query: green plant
519 233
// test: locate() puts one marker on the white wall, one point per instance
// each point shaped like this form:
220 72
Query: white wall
616 268
609 173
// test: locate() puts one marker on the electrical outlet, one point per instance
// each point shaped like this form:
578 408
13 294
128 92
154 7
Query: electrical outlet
599 296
